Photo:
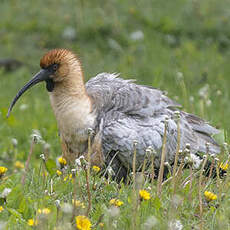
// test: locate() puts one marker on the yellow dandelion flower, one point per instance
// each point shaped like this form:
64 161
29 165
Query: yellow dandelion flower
59 173
119 203
62 161
83 223
210 196
112 201
78 203
32 222
224 166
116 202
68 177
44 211
96 169
144 194
1 208
3 170
19 165
101 225
132 10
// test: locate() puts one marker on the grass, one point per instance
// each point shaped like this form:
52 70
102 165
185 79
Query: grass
184 50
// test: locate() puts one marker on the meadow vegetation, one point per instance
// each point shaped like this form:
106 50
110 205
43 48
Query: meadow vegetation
181 47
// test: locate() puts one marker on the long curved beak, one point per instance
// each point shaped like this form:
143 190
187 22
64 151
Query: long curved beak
42 75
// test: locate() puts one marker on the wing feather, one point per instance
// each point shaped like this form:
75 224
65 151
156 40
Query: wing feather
134 112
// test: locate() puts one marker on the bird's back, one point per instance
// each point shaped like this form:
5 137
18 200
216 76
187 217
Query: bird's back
127 112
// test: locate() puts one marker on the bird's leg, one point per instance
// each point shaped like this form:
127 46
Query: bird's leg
97 157
65 151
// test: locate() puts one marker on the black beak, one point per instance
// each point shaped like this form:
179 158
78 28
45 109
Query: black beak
42 75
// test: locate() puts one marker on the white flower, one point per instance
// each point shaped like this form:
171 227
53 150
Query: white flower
79 161
23 107
149 152
43 157
113 211
191 99
36 135
69 33
150 222
110 170
113 44
67 208
171 39
14 142
114 224
203 92
179 76
137 35
57 203
196 160
175 225
73 171
6 192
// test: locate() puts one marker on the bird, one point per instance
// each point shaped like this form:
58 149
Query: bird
119 113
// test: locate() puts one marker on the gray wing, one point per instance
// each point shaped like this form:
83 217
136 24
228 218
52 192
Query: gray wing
128 112
112 93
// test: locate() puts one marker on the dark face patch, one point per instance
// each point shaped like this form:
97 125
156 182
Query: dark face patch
49 82
49 85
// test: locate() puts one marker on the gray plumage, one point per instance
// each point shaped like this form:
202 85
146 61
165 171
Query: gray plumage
127 112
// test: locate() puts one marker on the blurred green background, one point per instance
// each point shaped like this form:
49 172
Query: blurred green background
180 46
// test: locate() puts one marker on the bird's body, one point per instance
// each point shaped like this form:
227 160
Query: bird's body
119 112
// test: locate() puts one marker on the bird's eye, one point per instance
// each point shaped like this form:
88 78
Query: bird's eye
55 67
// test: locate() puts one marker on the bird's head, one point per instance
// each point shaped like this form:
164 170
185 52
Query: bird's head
56 66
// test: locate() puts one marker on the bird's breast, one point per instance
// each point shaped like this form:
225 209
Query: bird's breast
74 127
74 119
